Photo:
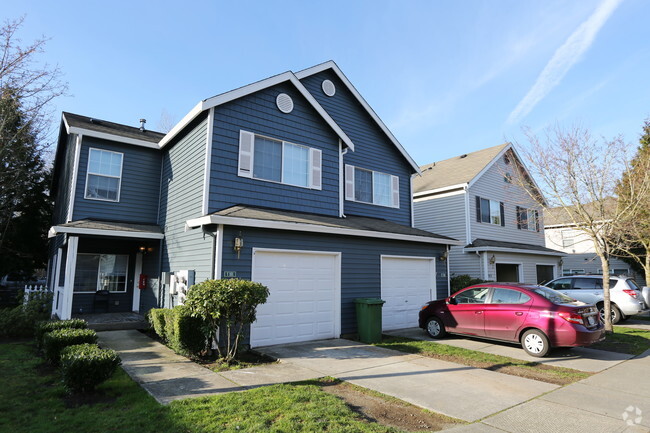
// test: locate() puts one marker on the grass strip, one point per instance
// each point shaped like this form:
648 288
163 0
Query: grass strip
488 361
633 341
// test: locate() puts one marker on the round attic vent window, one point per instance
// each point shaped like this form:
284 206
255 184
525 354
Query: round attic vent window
328 88
284 103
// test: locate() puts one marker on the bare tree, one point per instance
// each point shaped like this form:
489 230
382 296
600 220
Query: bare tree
578 175
166 122
26 90
634 230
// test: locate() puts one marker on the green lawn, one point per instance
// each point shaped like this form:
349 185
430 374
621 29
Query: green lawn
625 340
489 361
33 400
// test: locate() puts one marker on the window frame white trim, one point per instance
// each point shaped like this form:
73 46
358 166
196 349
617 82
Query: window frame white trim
88 173
354 185
126 281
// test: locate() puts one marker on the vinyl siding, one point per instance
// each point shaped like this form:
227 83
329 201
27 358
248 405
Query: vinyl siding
373 149
258 113
181 199
139 188
444 216
491 185
62 203
590 264
360 260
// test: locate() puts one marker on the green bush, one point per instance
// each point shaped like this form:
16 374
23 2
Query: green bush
54 342
19 322
84 366
228 304
156 318
44 327
458 282
188 333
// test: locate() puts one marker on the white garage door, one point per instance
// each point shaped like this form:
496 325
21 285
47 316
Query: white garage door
407 283
304 297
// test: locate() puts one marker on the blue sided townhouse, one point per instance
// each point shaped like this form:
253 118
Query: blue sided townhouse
292 181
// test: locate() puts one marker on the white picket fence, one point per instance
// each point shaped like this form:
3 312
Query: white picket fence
31 290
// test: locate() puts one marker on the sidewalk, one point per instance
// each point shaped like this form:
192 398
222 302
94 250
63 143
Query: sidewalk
578 358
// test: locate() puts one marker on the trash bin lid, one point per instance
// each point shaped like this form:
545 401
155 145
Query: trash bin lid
369 301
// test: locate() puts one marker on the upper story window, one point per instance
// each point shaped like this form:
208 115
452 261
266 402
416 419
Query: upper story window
368 186
527 219
279 161
104 175
489 211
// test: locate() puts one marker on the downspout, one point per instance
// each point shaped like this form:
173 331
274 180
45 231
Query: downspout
448 276
341 180
411 201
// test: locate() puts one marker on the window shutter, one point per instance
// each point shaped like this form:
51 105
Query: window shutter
478 209
394 181
246 140
315 176
537 220
349 182
503 214
518 217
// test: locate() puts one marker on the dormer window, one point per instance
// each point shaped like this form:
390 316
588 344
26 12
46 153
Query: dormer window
104 175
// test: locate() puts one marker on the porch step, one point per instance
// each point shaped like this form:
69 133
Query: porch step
114 321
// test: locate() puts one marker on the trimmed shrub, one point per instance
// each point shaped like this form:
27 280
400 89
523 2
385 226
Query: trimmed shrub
84 366
188 334
156 318
43 328
458 282
54 342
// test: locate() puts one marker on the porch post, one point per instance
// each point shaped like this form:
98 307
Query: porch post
136 283
70 267
55 283
485 265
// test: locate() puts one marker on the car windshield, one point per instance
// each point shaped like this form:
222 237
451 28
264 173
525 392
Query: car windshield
633 285
553 296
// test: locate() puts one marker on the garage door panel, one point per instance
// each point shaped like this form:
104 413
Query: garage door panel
303 289
406 284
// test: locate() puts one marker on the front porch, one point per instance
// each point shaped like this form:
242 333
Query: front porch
114 321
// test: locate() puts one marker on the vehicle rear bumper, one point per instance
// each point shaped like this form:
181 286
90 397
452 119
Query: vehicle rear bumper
577 336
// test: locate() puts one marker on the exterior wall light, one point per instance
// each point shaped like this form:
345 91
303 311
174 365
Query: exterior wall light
493 259
238 244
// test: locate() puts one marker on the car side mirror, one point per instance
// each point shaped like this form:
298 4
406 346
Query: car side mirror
451 300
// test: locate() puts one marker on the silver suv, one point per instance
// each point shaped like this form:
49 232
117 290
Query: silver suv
626 296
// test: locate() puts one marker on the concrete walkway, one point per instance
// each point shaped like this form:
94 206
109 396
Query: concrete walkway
452 389
616 400
578 358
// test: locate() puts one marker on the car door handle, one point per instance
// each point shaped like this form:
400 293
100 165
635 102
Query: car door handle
518 313
478 312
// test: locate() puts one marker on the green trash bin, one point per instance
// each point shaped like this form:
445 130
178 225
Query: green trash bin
369 319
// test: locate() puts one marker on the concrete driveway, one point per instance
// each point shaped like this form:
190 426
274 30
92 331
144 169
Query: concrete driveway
455 390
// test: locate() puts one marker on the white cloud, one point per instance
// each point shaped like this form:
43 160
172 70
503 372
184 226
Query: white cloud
564 58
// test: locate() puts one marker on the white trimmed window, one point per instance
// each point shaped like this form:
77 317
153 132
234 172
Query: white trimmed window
368 186
527 219
272 160
104 175
96 272
489 211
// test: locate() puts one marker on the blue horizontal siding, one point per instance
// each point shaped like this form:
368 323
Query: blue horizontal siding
139 188
360 260
258 113
64 181
372 148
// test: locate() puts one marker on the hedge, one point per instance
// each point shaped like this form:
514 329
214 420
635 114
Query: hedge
84 366
157 320
179 330
19 322
54 342
44 327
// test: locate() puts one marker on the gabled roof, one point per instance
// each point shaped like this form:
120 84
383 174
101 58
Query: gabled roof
93 127
457 171
288 76
561 217
250 216
334 67
492 245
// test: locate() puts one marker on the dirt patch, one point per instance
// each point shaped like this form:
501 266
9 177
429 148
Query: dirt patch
246 359
388 411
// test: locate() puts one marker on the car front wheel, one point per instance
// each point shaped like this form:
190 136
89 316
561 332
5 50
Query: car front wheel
435 328
535 343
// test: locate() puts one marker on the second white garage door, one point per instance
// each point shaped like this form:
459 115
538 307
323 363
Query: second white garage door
407 283
304 300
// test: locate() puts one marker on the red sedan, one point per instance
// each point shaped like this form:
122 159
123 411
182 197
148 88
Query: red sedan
535 316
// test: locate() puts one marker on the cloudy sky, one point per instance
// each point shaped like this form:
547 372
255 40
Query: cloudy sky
447 77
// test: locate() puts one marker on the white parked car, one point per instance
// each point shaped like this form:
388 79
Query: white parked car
626 296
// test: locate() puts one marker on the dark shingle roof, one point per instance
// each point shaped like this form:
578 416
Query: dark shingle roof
93 124
457 170
349 222
513 245
113 226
